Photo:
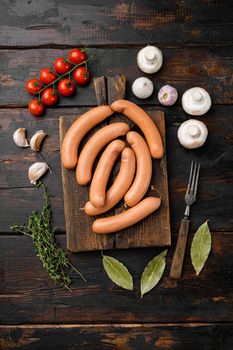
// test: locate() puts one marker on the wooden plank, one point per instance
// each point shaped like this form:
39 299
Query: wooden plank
100 91
183 68
27 295
152 231
111 22
116 88
78 225
118 337
215 190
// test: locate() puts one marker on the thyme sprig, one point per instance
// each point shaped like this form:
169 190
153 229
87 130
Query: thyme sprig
53 257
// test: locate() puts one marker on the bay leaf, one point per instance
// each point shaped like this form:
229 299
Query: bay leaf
153 273
117 272
200 247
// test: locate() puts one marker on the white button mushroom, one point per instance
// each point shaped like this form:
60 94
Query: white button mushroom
150 59
192 133
196 101
142 87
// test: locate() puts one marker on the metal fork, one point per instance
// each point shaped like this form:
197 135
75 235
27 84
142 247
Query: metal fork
190 198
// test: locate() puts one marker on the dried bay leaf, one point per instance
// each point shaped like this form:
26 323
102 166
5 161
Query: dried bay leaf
200 247
117 272
153 273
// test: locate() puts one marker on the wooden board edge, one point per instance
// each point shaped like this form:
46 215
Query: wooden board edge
63 170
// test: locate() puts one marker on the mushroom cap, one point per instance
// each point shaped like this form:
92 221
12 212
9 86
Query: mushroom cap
150 59
192 133
142 87
196 101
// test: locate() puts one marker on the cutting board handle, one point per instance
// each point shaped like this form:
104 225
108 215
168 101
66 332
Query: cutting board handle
109 89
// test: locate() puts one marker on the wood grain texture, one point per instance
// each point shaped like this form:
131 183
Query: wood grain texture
152 231
27 295
188 336
116 87
78 225
178 257
214 199
111 22
196 40
100 91
183 68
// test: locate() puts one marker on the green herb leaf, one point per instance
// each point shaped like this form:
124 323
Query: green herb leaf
117 272
53 258
200 248
153 273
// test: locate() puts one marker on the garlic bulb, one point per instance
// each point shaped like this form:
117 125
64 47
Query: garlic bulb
150 59
37 139
19 138
196 101
192 133
142 88
36 171
167 95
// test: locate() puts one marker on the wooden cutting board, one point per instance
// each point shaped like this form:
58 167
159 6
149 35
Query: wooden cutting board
152 231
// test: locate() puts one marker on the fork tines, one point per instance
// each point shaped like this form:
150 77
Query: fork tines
193 179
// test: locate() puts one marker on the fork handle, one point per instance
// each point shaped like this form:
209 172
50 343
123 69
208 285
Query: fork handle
178 257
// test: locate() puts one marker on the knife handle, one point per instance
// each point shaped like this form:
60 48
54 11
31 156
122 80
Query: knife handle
178 257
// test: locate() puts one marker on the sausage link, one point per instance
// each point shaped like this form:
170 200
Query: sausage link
145 123
127 218
143 171
90 151
102 172
120 185
69 149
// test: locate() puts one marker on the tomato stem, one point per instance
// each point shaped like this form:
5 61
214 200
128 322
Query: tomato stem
63 75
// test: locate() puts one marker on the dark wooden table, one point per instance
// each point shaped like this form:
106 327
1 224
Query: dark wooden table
192 313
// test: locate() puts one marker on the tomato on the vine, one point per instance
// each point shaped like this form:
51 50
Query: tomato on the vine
33 86
81 75
66 87
61 65
35 107
47 76
49 97
77 56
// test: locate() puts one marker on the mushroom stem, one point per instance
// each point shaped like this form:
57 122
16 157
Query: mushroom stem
150 55
196 95
194 131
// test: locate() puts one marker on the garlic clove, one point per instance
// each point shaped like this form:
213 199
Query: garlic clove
142 87
36 171
150 59
19 138
167 95
37 140
196 101
192 134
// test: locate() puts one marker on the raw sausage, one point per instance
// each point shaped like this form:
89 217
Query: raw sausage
145 123
93 146
120 186
69 149
102 172
127 218
144 169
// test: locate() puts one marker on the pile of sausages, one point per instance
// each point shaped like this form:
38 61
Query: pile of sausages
134 176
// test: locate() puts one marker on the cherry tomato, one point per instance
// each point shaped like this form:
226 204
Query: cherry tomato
47 76
61 65
77 56
66 87
82 75
49 97
33 86
36 108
